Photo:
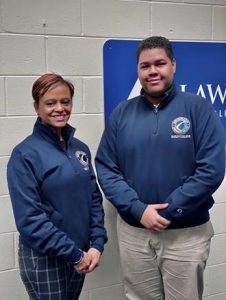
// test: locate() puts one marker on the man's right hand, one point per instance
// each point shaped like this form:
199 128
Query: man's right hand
151 218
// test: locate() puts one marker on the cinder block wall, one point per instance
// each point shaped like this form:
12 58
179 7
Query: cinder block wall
68 37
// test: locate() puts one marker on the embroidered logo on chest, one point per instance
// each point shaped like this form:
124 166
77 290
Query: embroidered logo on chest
180 127
82 158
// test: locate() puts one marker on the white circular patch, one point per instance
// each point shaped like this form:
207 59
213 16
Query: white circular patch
180 125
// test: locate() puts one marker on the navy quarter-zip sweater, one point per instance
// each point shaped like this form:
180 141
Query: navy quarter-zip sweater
56 202
174 153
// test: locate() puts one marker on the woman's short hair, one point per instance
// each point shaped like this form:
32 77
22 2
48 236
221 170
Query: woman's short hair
47 82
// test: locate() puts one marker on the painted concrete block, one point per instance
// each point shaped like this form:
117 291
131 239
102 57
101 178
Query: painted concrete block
3 182
88 129
16 242
219 23
84 296
41 17
110 293
18 96
7 251
218 218
21 55
75 56
93 95
115 18
1 26
219 195
213 2
13 130
215 280
217 250
11 287
221 296
7 223
181 21
2 96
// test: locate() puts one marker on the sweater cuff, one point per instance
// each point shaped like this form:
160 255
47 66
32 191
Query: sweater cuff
165 214
138 209
76 256
98 244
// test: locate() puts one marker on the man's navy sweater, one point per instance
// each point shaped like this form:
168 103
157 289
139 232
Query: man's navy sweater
174 153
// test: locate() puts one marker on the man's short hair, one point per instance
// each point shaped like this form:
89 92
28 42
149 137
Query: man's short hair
156 42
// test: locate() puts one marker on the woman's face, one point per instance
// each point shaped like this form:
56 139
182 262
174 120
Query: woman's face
54 107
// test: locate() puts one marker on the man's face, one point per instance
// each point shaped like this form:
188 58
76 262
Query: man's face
155 72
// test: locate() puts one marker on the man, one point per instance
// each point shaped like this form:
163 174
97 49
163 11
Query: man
161 157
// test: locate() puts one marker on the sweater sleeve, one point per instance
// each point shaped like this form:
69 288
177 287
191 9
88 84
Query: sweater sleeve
32 222
195 192
111 179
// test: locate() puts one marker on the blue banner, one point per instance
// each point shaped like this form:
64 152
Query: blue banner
200 70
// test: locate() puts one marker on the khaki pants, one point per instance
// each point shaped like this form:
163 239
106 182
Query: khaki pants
167 265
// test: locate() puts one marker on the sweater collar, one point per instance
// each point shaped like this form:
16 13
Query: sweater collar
48 133
168 96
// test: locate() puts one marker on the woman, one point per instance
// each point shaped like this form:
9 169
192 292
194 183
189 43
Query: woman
56 202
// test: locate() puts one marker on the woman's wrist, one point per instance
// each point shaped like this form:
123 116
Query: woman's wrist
80 259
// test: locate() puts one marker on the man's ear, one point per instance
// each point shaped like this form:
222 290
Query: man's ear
174 65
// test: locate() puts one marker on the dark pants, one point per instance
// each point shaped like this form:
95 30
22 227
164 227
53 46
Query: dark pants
48 278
